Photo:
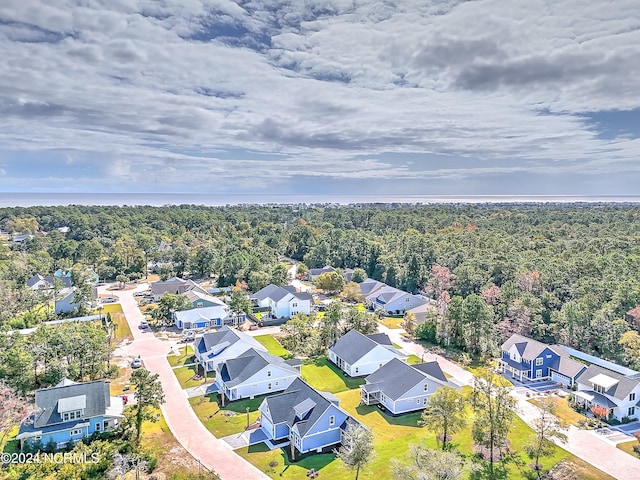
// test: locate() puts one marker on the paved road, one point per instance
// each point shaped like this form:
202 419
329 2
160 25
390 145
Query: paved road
184 424
584 444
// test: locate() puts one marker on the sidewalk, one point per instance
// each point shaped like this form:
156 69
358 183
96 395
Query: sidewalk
184 424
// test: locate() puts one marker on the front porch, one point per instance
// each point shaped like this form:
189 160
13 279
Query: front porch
514 369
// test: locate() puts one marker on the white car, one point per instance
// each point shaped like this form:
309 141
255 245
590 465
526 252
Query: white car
136 363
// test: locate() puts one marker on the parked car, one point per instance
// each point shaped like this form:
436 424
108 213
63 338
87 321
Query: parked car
144 325
136 363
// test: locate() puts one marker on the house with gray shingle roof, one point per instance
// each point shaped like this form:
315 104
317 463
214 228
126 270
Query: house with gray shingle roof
214 348
528 359
357 354
254 373
205 317
176 286
71 411
303 418
618 393
392 300
283 302
402 388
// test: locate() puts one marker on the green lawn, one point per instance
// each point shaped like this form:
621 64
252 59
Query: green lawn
565 413
186 356
185 374
323 375
392 436
627 447
122 326
273 346
391 322
220 425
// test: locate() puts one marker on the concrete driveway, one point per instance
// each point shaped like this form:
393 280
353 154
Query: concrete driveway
183 422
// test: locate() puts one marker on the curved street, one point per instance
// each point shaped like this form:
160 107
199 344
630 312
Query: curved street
183 422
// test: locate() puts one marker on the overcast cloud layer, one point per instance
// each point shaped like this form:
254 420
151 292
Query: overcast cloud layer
312 96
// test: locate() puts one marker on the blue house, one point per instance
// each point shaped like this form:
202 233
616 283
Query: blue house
303 418
71 411
528 359
204 317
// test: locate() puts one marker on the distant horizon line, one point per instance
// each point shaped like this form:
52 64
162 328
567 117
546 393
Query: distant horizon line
33 199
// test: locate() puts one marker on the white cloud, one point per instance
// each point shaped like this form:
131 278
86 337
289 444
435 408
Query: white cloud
146 87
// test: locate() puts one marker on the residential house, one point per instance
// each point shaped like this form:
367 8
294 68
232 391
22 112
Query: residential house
199 299
618 393
316 272
402 388
254 373
71 411
205 317
23 237
357 354
528 359
224 344
370 286
393 301
175 285
39 282
309 420
282 301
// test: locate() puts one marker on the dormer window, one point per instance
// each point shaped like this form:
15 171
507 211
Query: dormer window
68 416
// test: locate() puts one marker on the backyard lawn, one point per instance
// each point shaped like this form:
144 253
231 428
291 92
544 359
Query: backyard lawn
186 356
273 346
226 421
391 322
392 437
185 377
323 375
565 413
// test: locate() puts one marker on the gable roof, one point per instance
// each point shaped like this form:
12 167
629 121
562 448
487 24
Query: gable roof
622 387
237 370
320 271
199 314
225 335
528 348
35 279
370 285
395 378
175 285
276 293
92 396
310 403
566 365
195 294
353 345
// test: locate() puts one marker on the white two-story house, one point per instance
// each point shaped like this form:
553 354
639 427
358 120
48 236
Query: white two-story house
282 301
619 393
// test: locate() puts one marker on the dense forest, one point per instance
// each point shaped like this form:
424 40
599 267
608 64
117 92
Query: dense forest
558 273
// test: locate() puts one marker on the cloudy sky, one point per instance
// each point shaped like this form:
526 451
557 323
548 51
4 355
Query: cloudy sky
320 96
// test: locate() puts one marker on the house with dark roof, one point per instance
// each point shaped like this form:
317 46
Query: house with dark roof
402 388
316 272
370 286
71 411
224 344
357 354
528 359
393 301
254 373
282 301
303 418
618 393
176 286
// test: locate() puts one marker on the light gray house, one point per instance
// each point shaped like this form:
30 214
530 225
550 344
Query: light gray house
226 343
316 272
402 388
301 416
618 393
357 354
255 373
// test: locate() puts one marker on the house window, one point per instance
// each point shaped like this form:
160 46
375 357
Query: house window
77 431
269 386
538 373
539 361
294 305
598 388
632 397
332 420
426 387
383 398
425 401
407 299
268 373
297 442
98 427
417 400
631 412
357 369
548 356
199 304
513 357
276 384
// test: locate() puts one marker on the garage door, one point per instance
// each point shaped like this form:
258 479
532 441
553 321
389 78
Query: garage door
556 377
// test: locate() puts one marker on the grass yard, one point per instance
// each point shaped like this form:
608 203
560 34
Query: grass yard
273 346
186 356
627 447
122 326
323 375
392 437
391 322
185 377
208 411
565 413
